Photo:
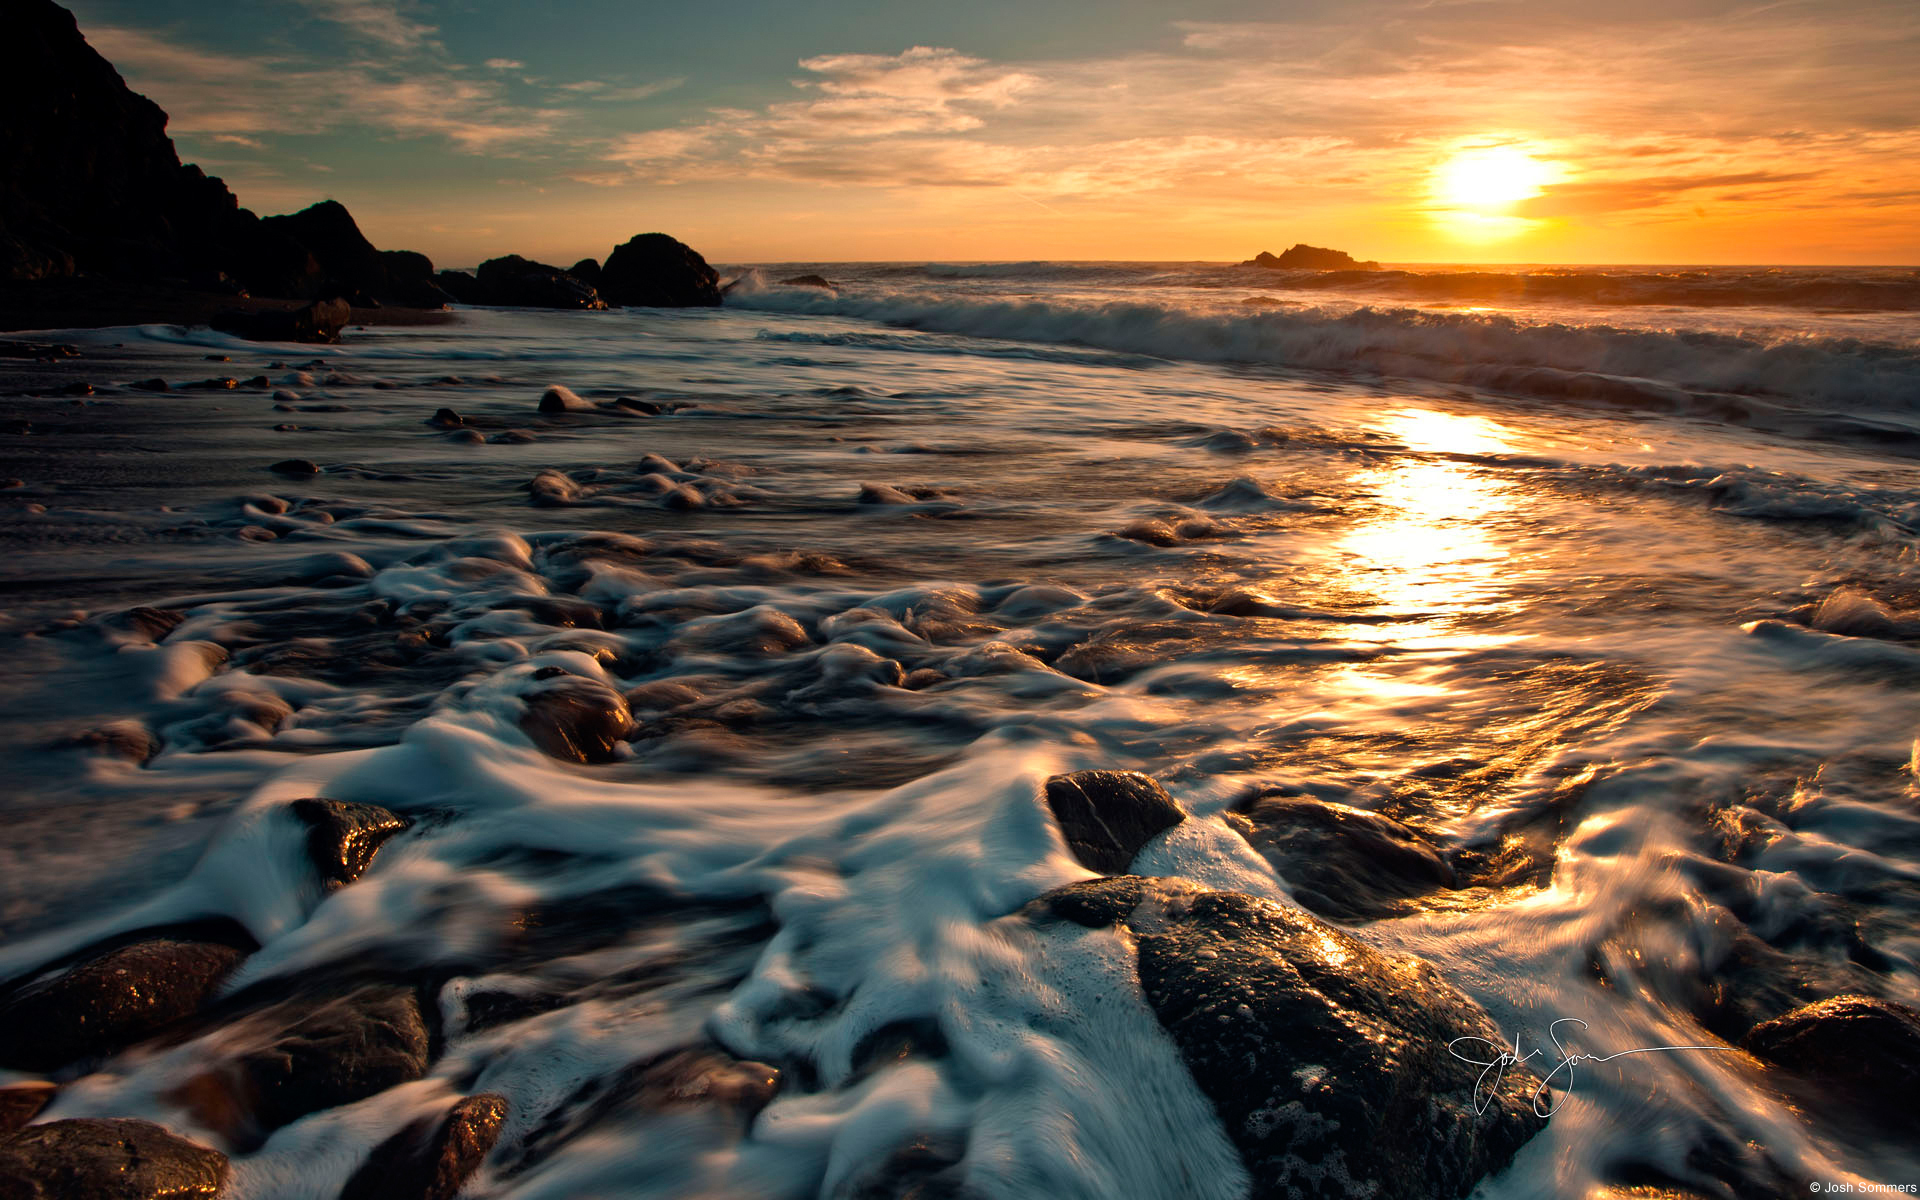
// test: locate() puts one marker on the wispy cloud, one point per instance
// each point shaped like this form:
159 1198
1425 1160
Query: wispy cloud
379 21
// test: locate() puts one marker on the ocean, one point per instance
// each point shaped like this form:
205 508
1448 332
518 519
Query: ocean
1599 583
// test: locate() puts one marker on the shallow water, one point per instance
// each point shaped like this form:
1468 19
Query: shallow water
1635 600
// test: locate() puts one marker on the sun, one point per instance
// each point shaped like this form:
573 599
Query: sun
1490 180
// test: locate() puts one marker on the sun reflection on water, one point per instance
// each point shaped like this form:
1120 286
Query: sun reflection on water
1426 542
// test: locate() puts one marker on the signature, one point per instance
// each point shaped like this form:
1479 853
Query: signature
1544 1103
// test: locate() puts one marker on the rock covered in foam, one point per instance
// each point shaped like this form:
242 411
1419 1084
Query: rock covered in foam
431 1158
1326 1060
107 1160
1868 1048
1344 862
306 1054
1107 816
577 719
110 1001
342 837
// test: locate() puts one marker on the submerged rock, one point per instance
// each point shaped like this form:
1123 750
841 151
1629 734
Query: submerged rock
107 1160
342 838
577 719
312 1054
812 281
431 1158
1868 1048
1326 1060
1107 816
110 1001
654 270
1344 862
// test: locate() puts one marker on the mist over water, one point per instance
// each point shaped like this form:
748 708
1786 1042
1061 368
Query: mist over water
1606 579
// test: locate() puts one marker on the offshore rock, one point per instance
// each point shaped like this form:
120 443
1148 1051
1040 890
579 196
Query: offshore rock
431 1158
110 1001
1343 862
1326 1060
522 283
342 838
1106 816
107 1160
1302 257
656 271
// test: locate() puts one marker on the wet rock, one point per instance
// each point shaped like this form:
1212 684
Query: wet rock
431 1158
1344 862
311 1054
22 1102
551 489
654 270
557 399
342 838
927 1168
1867 1048
150 385
446 418
1326 1060
110 1001
107 1160
576 719
295 466
319 322
813 281
129 740
631 407
1106 816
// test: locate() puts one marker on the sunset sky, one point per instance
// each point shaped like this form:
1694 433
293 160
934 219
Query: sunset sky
1634 131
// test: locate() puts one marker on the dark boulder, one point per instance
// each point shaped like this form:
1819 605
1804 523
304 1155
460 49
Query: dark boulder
411 280
522 283
110 1001
464 288
1327 1061
319 322
431 1158
295 466
655 271
107 1160
587 271
1868 1049
577 719
311 1053
1302 257
1344 862
1106 816
342 838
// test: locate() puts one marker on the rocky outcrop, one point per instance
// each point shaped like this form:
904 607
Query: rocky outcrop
655 271
1106 816
1327 1061
344 260
1343 862
22 1102
110 1001
431 1158
1302 257
587 271
107 1160
517 282
464 288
